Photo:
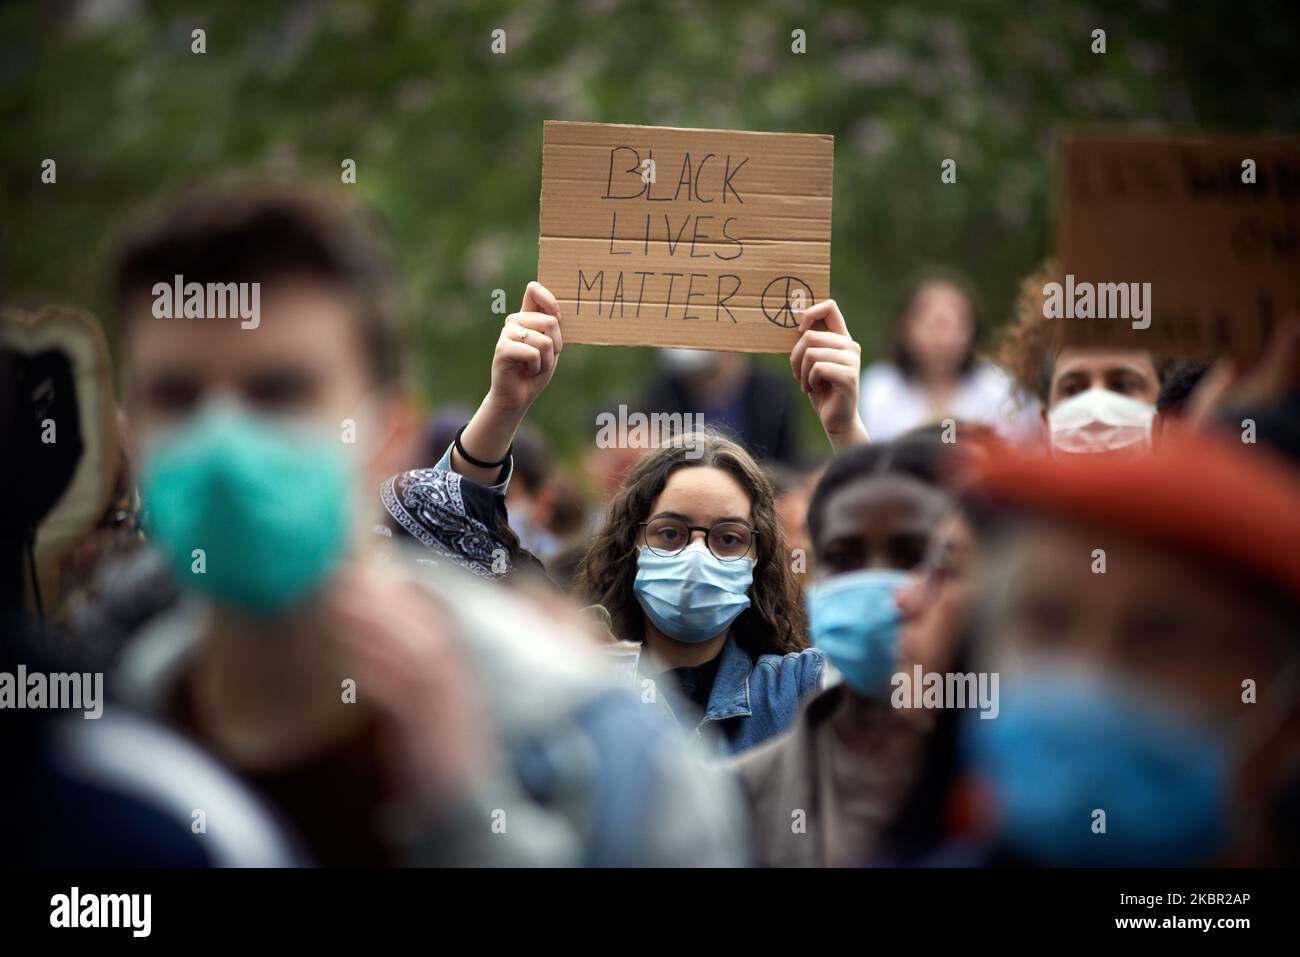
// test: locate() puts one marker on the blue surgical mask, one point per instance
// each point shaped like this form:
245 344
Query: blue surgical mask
1068 744
267 504
854 618
693 595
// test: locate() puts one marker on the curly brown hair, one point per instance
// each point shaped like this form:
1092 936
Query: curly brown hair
774 623
1028 346
1028 343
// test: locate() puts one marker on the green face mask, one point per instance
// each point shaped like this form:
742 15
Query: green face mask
249 512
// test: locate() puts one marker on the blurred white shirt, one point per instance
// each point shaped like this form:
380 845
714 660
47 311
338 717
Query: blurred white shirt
892 404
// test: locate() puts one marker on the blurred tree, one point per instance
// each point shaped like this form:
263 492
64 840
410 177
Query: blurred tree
446 135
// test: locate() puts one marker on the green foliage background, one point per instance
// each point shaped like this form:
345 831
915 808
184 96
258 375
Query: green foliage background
447 136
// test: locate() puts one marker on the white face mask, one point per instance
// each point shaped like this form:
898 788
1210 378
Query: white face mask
1100 420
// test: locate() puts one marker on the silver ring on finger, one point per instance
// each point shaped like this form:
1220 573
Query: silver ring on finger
522 334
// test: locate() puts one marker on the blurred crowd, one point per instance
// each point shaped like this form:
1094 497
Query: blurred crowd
1033 604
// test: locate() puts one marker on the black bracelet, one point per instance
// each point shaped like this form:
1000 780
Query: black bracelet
479 462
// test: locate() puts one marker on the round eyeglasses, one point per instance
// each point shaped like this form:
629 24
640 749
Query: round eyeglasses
728 541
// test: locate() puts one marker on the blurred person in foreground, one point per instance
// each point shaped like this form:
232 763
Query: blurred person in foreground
935 371
392 713
72 503
119 790
1144 624
86 783
891 553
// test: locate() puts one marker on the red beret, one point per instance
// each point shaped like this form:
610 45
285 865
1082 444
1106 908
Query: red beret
1234 503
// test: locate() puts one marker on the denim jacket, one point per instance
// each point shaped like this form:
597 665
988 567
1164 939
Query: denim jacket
752 701
590 777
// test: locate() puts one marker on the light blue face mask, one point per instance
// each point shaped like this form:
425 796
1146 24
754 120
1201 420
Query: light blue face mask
266 504
854 619
1064 747
693 595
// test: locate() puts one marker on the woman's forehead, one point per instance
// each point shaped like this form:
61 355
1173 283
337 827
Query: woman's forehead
939 293
703 494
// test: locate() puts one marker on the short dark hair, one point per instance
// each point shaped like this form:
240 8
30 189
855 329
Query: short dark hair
242 229
1178 385
918 454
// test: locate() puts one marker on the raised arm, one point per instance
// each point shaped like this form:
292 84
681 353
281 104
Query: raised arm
522 365
827 364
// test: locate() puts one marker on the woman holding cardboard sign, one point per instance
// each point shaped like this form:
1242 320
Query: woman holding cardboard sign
690 562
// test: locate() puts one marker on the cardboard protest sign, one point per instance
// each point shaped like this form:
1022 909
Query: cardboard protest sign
1177 245
707 239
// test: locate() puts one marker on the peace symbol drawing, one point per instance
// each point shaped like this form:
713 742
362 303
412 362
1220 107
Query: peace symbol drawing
785 299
